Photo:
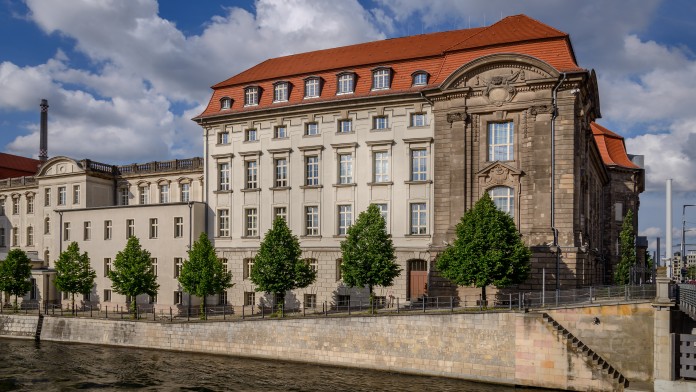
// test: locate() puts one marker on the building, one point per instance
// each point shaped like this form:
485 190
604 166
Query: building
421 126
17 166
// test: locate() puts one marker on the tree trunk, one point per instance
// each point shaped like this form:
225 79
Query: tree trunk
73 303
202 316
281 302
484 303
372 297
134 306
15 304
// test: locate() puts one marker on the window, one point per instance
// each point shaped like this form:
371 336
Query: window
30 204
343 300
345 84
618 211
153 262
223 137
251 96
248 266
143 194
281 212
420 78
107 295
47 197
345 171
380 122
384 210
222 298
224 176
250 135
30 236
15 206
178 227
178 298
62 195
185 192
2 208
345 218
312 129
249 298
312 88
66 231
345 126
225 103
47 225
223 223
225 264
164 193
419 165
339 272
107 230
312 220
130 228
87 231
123 196
500 141
312 171
252 175
280 132
251 222
76 194
504 198
2 237
419 217
281 172
15 236
380 79
107 266
310 301
178 264
418 119
153 228
280 92
381 166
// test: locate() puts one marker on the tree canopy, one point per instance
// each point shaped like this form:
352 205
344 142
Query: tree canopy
487 249
203 274
15 272
627 250
368 252
73 272
278 266
133 273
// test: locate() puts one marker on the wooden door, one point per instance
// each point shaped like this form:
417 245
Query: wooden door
417 279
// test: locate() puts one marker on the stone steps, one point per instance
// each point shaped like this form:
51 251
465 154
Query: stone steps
578 346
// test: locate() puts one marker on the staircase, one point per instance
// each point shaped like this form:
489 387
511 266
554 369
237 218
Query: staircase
39 325
581 348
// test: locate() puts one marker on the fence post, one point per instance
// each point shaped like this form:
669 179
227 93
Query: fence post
282 310
451 304
625 292
359 306
558 291
437 303
424 299
590 294
397 305
481 301
326 309
243 315
263 311
90 311
223 312
372 306
510 301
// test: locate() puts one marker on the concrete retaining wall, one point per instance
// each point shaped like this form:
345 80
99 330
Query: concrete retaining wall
18 326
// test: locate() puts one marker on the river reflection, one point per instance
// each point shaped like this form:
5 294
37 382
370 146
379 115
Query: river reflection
46 366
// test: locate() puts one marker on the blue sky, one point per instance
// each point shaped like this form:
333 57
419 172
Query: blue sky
123 79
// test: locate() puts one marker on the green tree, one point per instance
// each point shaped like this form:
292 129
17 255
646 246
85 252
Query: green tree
368 253
15 272
627 250
133 273
203 274
487 250
73 272
278 266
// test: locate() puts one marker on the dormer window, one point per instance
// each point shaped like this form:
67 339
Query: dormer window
346 83
381 78
225 103
280 92
420 78
251 96
312 88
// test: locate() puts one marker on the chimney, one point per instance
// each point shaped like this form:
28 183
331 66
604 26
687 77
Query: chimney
43 143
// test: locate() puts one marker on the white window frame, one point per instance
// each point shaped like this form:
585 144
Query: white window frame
345 168
251 96
224 176
312 128
47 197
124 195
66 231
381 79
280 132
380 163
108 229
345 218
280 92
280 212
225 103
76 194
178 227
345 84
418 120
380 122
419 75
154 228
62 195
251 222
30 235
130 228
281 172
178 264
107 266
144 194
223 137
223 222
251 168
164 193
312 88
345 126
418 218
501 150
504 198
185 192
251 135
312 221
419 164
87 231
312 170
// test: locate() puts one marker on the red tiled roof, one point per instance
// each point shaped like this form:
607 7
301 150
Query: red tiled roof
439 54
17 166
611 147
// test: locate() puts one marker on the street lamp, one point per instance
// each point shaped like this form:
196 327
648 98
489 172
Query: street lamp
683 241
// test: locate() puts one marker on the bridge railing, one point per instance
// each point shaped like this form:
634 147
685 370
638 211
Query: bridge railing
687 299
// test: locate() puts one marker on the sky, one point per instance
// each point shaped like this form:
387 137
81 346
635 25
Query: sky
124 78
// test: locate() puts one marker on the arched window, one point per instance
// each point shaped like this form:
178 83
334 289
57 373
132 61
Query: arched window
420 78
504 199
47 225
225 103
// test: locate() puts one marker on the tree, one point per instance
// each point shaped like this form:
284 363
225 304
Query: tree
203 273
73 272
487 250
278 266
368 252
133 273
627 250
15 272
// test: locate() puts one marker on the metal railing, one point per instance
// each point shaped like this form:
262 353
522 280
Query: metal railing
687 299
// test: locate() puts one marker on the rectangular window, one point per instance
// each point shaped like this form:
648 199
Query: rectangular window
618 211
2 208
345 126
143 194
247 267
312 129
381 166
225 264
312 88
249 298
345 172
15 236
185 192
224 176
500 141
30 236
222 298
345 84
310 301
251 96
345 218
384 210
66 231
280 132
251 222
152 299
178 298
339 272
281 212
107 266
47 197
130 228
178 227
280 92
252 175
87 296
30 204
87 232
76 194
15 206
312 220
153 228
62 195
380 122
343 300
250 135
2 237
107 295
312 171
223 223
281 172
418 119
153 261
123 196
223 137
419 218
164 193
178 264
380 79
47 225
419 165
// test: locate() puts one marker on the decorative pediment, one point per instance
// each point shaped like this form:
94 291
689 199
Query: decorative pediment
184 180
498 174
60 165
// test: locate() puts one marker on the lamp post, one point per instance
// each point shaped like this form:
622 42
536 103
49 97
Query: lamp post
683 241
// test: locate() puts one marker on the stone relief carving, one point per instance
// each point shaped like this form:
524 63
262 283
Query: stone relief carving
539 109
499 88
457 116
498 174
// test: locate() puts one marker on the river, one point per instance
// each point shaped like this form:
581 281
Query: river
29 366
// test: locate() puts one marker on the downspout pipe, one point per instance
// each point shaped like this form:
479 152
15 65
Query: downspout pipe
554 114
206 178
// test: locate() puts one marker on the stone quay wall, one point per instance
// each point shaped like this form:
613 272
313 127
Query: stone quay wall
18 326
